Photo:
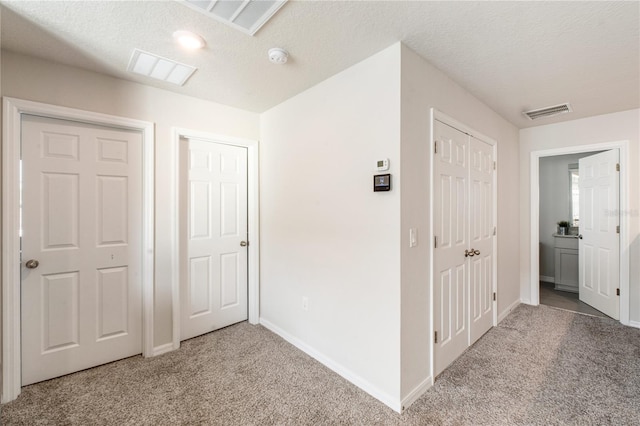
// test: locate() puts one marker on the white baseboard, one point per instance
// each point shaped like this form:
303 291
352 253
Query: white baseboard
417 392
635 324
507 311
393 403
163 349
548 279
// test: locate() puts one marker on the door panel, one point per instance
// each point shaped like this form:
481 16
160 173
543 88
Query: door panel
599 247
81 219
214 273
481 219
450 227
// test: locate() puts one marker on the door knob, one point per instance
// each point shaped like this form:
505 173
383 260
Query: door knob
469 253
243 243
580 236
475 251
32 264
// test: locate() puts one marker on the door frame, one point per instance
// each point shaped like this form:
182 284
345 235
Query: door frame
440 116
253 221
534 259
13 109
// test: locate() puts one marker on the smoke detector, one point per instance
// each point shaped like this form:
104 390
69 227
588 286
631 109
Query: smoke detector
548 111
278 56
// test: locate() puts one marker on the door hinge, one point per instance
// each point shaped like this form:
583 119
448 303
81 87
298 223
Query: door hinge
617 229
617 292
495 230
617 167
495 296
435 147
494 165
435 337
435 242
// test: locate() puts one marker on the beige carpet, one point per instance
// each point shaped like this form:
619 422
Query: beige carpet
540 366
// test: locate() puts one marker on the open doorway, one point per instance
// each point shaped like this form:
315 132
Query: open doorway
621 290
559 231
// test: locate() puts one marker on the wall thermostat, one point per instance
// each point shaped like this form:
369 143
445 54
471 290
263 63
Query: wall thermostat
382 183
382 165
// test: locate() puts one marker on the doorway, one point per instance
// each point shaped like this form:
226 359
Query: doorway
214 236
252 238
12 266
560 199
623 240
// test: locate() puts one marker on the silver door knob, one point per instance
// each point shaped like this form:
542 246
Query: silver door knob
243 243
32 264
580 236
476 252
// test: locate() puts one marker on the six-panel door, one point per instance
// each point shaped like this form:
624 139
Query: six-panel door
213 287
81 221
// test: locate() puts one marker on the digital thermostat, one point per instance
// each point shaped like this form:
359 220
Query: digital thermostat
382 183
382 165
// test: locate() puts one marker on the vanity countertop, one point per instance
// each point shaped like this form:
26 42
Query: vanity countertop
565 236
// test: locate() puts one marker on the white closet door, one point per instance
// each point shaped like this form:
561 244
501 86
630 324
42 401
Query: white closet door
599 247
81 221
481 237
214 268
450 228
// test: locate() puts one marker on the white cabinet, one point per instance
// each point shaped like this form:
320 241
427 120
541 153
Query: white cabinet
566 263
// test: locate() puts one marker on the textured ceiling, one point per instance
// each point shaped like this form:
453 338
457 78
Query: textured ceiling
512 55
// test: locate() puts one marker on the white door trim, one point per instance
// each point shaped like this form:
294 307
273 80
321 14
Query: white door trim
438 115
534 259
12 112
252 219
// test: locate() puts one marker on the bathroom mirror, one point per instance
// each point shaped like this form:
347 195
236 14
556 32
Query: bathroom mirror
574 194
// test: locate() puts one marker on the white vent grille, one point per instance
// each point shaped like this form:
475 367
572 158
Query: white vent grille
548 111
160 68
247 16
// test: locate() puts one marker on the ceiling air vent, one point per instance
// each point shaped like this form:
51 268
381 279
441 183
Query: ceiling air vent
155 66
548 111
247 16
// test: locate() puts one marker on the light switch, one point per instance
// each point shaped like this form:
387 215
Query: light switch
413 237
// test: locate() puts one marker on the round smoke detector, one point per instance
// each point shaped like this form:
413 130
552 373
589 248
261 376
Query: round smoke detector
278 56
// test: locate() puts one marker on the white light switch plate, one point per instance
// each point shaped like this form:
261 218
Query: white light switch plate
413 237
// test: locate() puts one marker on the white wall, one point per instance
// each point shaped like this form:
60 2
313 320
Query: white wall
325 234
555 204
42 81
425 87
615 127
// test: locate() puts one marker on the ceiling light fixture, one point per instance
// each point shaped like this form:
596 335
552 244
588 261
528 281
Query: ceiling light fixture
278 56
189 40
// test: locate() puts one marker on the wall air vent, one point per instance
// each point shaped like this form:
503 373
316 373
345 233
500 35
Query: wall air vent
548 111
247 16
160 68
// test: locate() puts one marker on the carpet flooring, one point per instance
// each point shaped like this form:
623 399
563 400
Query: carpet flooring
539 366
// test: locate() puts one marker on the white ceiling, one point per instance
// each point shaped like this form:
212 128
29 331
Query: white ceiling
512 55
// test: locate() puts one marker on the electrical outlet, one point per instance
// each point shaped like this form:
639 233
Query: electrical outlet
305 303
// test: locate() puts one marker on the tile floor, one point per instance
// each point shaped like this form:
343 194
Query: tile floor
565 300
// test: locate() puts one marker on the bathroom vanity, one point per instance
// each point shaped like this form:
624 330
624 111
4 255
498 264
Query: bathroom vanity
566 262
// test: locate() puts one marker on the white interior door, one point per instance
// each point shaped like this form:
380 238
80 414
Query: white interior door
450 224
481 238
81 306
464 256
213 290
599 245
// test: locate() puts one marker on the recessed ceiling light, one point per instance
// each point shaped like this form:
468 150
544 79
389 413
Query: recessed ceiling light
164 69
189 40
